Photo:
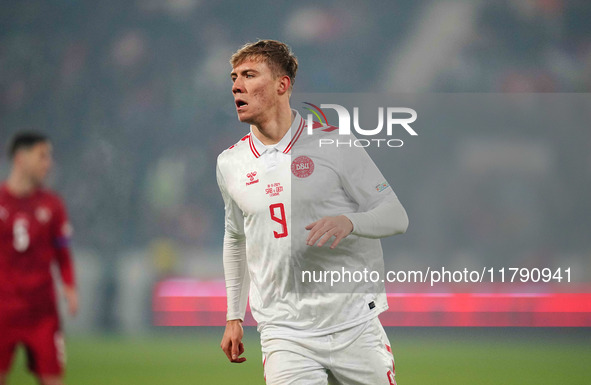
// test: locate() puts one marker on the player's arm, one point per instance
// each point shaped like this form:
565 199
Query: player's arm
235 274
237 285
63 255
386 219
380 212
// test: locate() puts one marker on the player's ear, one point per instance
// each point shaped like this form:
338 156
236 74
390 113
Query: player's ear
284 84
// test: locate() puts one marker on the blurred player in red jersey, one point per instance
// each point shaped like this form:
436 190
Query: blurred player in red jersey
34 233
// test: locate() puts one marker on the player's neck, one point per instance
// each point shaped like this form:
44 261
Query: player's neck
275 128
20 186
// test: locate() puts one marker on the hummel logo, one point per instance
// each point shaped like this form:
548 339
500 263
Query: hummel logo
251 176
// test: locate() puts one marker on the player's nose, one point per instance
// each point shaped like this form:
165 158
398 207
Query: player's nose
237 87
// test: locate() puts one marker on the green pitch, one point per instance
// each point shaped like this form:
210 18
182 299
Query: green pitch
423 356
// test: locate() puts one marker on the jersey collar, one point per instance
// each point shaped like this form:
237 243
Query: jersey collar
285 144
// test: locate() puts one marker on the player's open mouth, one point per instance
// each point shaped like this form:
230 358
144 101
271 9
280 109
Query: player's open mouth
240 104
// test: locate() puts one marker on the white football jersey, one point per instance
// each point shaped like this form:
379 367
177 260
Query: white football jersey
271 193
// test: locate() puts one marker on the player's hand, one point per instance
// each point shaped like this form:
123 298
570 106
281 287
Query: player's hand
71 295
324 229
232 341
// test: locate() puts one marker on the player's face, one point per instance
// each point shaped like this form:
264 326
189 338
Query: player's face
36 162
255 91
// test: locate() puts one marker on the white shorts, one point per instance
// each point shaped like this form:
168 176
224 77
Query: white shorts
360 355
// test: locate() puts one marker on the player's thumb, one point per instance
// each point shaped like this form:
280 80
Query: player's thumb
234 349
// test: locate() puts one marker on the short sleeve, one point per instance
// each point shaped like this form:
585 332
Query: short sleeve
234 218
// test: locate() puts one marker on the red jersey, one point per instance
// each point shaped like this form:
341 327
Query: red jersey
34 233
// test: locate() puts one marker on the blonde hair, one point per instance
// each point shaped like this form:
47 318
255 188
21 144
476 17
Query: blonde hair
276 54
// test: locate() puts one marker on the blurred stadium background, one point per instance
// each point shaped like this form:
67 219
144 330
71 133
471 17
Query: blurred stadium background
136 98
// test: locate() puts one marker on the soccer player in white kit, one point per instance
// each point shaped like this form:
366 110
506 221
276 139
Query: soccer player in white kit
290 207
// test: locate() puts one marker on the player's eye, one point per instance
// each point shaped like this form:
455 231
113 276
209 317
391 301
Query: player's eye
249 76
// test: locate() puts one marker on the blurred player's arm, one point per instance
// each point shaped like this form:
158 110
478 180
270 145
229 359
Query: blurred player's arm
235 274
63 256
64 260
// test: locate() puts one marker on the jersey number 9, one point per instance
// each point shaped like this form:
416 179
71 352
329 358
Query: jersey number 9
281 219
